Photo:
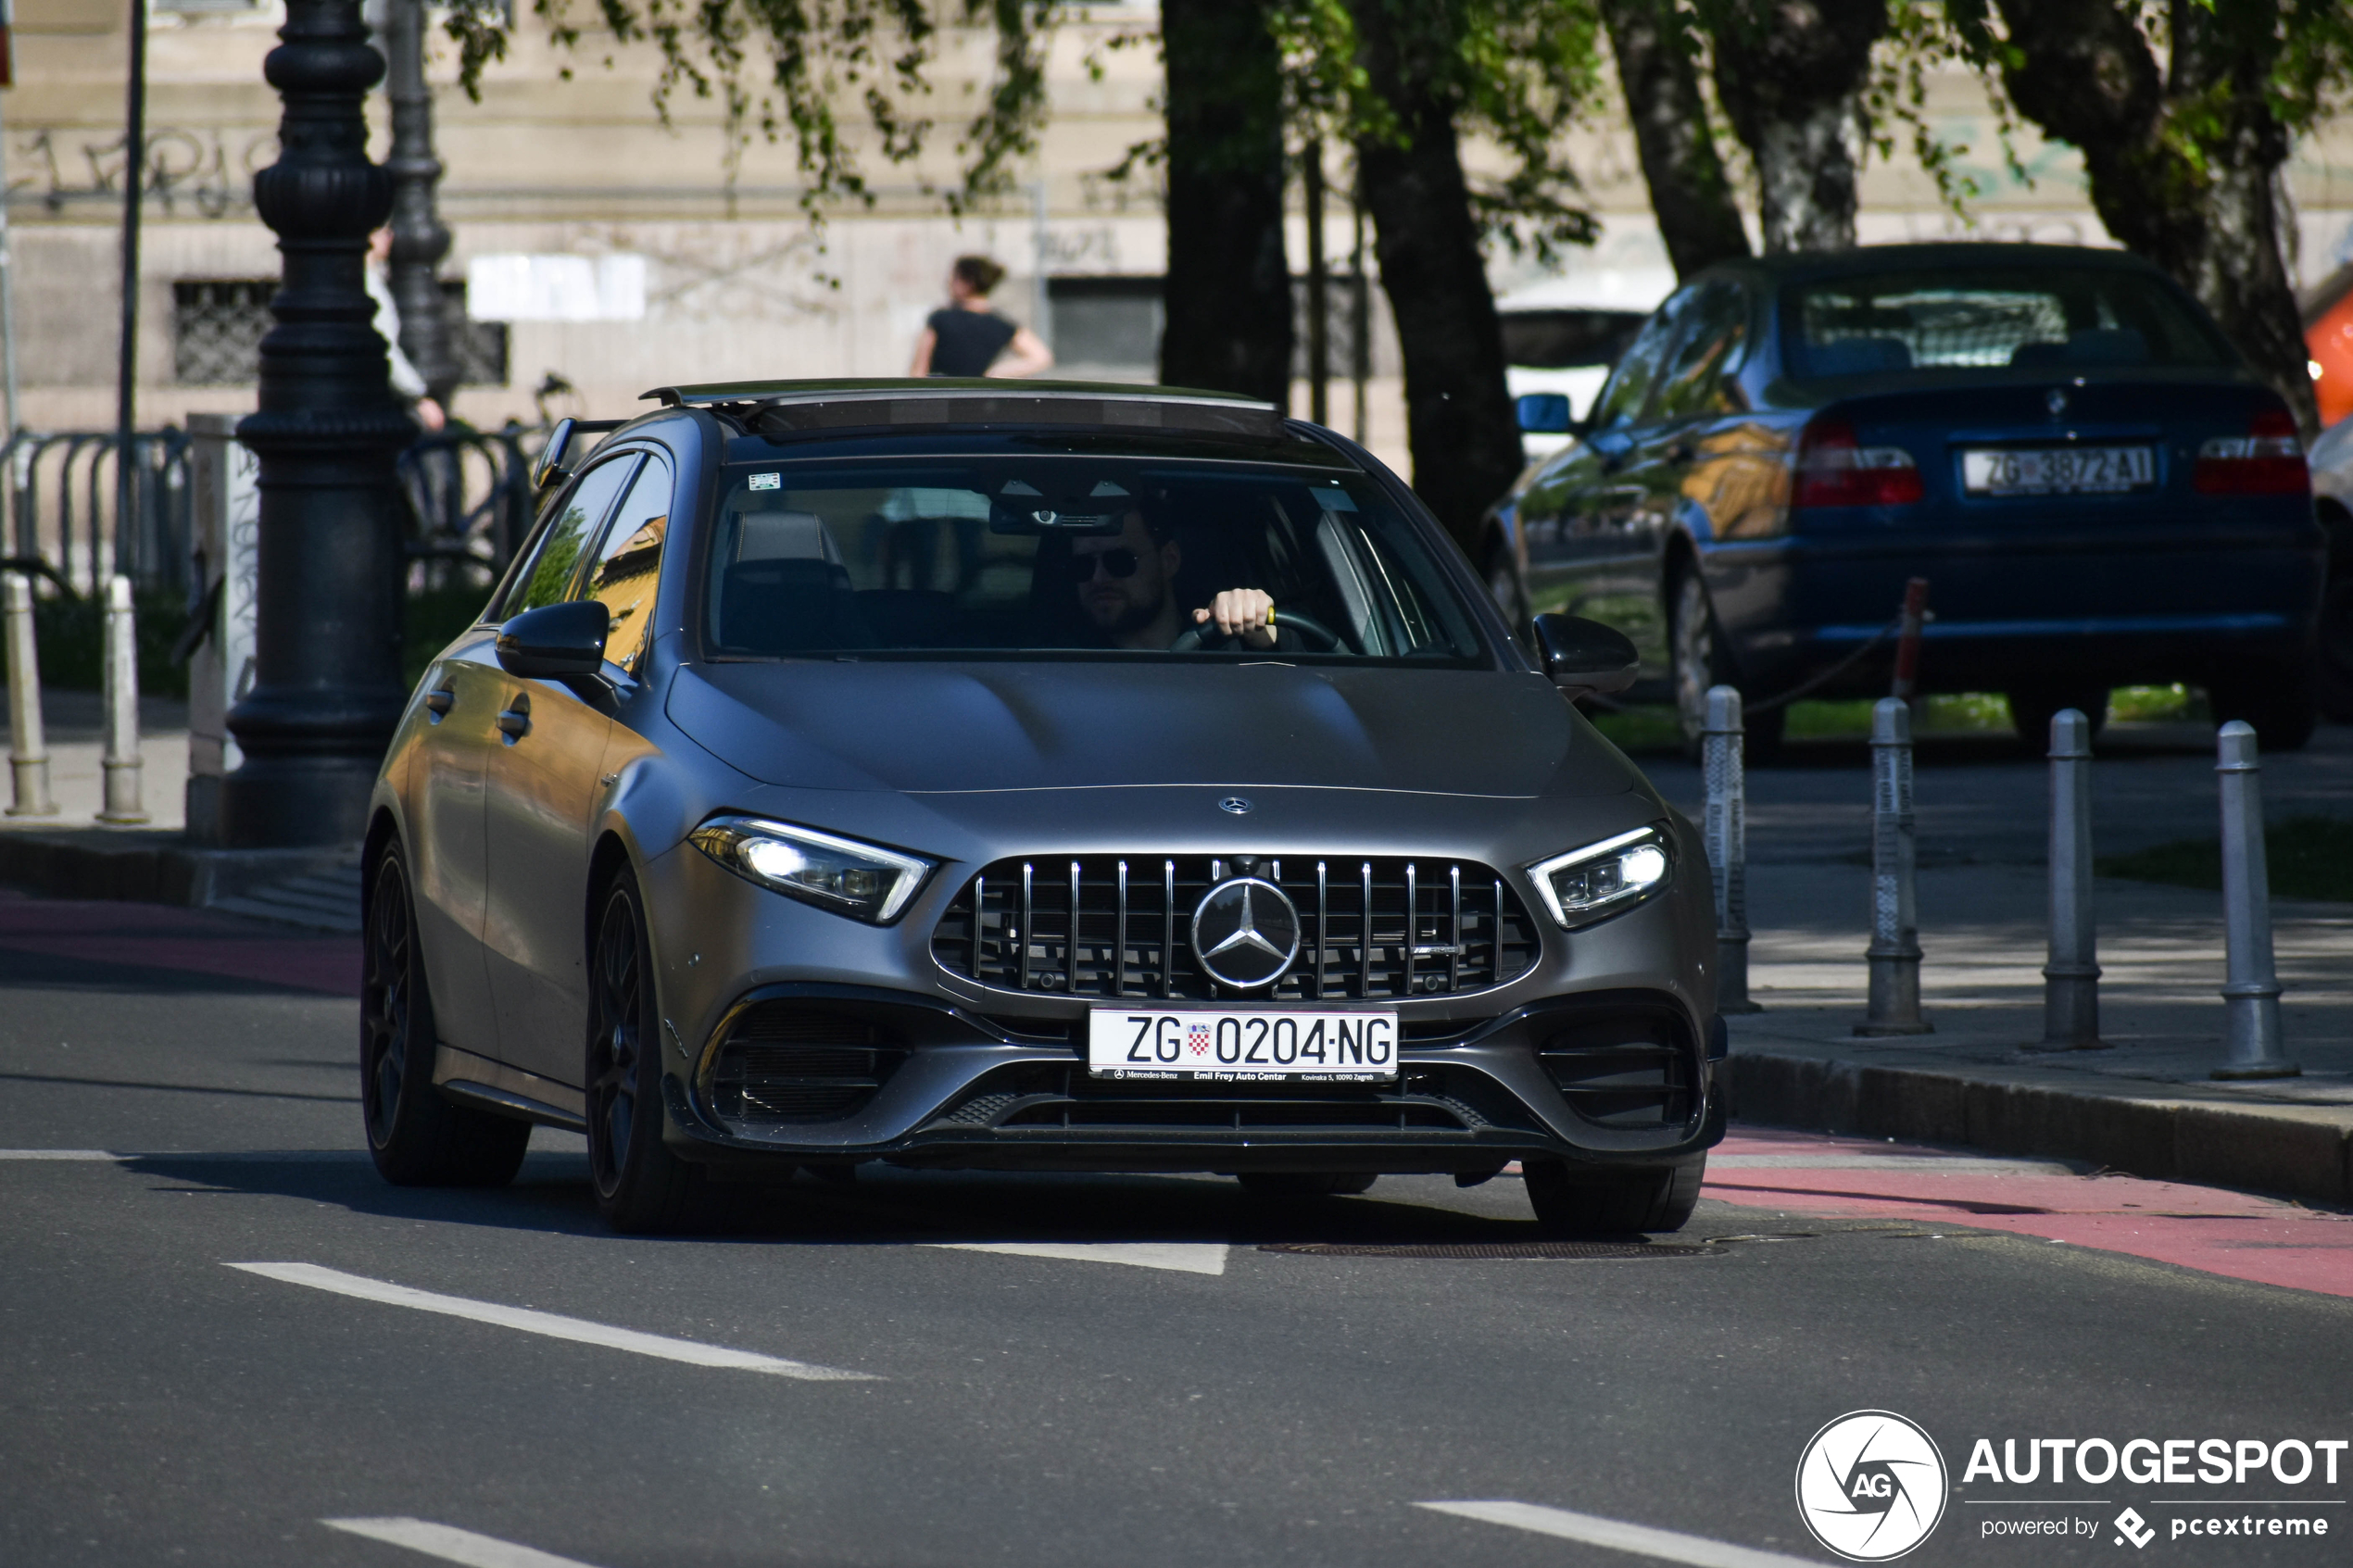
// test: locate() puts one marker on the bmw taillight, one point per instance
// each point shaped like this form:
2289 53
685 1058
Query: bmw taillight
1834 468
2267 461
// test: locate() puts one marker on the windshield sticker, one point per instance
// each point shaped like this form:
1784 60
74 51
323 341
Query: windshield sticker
767 481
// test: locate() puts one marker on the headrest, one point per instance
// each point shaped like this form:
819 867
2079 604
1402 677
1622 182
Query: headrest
782 535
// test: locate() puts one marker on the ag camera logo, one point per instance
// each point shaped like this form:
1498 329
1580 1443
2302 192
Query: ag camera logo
1871 1486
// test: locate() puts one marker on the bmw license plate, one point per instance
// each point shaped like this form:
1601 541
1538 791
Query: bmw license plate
1243 1045
2058 471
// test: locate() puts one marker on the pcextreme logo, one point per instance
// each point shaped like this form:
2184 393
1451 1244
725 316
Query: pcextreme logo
1871 1486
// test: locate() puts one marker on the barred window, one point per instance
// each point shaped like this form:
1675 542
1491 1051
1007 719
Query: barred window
217 325
215 328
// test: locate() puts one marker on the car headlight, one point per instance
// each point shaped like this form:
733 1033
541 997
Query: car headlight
1601 879
862 881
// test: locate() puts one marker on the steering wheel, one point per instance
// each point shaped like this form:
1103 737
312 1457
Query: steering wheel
1192 638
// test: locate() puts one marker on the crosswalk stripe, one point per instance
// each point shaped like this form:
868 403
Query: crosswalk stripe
1185 1256
451 1543
552 1324
1670 1546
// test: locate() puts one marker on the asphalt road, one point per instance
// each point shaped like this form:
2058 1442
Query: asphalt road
1048 1371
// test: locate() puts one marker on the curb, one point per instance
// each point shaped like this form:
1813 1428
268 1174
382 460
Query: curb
2299 1151
152 867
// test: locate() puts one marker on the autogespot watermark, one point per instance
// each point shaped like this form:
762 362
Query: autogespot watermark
1872 1485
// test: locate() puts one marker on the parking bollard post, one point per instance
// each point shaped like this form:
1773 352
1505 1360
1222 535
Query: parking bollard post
2251 991
1894 952
2071 975
27 750
1721 743
121 763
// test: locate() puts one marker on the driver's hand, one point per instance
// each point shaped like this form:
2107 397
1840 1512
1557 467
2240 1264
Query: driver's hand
1242 612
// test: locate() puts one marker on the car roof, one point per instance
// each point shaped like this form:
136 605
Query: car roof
932 402
1808 266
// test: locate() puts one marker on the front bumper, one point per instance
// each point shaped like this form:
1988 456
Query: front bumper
1604 1077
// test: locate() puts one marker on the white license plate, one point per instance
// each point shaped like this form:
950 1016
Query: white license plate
2058 471
1243 1045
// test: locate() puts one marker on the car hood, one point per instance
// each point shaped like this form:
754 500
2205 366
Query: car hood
948 728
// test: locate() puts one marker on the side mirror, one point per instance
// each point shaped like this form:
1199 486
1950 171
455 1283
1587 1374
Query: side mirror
1545 413
1584 657
547 469
556 640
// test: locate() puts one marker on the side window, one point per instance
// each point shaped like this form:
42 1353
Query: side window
1629 391
1696 383
548 576
628 564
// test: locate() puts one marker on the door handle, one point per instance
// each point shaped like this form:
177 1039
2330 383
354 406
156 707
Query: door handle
440 701
514 723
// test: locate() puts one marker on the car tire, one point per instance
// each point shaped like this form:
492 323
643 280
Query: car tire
1306 1184
2032 711
1611 1202
642 1188
2279 702
2333 681
1697 643
416 1137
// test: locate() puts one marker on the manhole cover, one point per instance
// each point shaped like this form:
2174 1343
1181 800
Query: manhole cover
1488 1250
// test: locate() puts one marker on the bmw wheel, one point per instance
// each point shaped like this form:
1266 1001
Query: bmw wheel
641 1186
1612 1202
416 1138
1701 662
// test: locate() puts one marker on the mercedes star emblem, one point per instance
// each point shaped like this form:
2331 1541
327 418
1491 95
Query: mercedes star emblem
1235 804
1246 932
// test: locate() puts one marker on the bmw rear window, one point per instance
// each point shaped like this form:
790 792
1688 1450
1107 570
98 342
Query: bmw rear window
2057 319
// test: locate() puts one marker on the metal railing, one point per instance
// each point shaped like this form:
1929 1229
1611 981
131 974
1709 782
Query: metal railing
59 488
467 493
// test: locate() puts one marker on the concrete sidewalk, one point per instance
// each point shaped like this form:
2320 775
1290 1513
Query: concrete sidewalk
2145 1105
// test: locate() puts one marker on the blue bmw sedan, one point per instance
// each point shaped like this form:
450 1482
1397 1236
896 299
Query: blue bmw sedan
2098 489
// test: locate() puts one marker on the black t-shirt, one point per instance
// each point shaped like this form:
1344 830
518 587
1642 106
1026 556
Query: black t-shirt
965 343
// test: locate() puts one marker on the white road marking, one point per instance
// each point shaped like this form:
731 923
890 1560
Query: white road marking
1669 1546
451 1543
1935 1165
549 1324
95 1154
1185 1256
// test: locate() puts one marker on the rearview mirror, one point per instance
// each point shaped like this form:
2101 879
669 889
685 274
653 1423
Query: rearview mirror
1584 657
1545 413
556 640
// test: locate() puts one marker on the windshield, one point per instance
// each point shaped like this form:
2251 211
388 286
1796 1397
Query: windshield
1073 556
2057 317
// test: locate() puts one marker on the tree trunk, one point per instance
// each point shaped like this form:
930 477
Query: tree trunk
1689 192
1791 75
2202 210
1226 298
1459 421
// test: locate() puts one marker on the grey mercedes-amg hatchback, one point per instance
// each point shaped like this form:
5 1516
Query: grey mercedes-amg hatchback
963 776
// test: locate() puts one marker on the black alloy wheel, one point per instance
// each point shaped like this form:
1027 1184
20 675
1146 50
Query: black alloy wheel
1611 1202
1701 661
1306 1184
416 1138
2033 708
642 1188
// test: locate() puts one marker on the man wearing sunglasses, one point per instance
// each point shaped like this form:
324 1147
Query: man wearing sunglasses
1126 587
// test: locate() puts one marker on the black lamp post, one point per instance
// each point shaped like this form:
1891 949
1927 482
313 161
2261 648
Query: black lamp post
327 689
418 241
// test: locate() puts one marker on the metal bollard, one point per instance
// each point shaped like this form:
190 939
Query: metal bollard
2251 994
1727 830
2071 975
121 763
27 750
1894 952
